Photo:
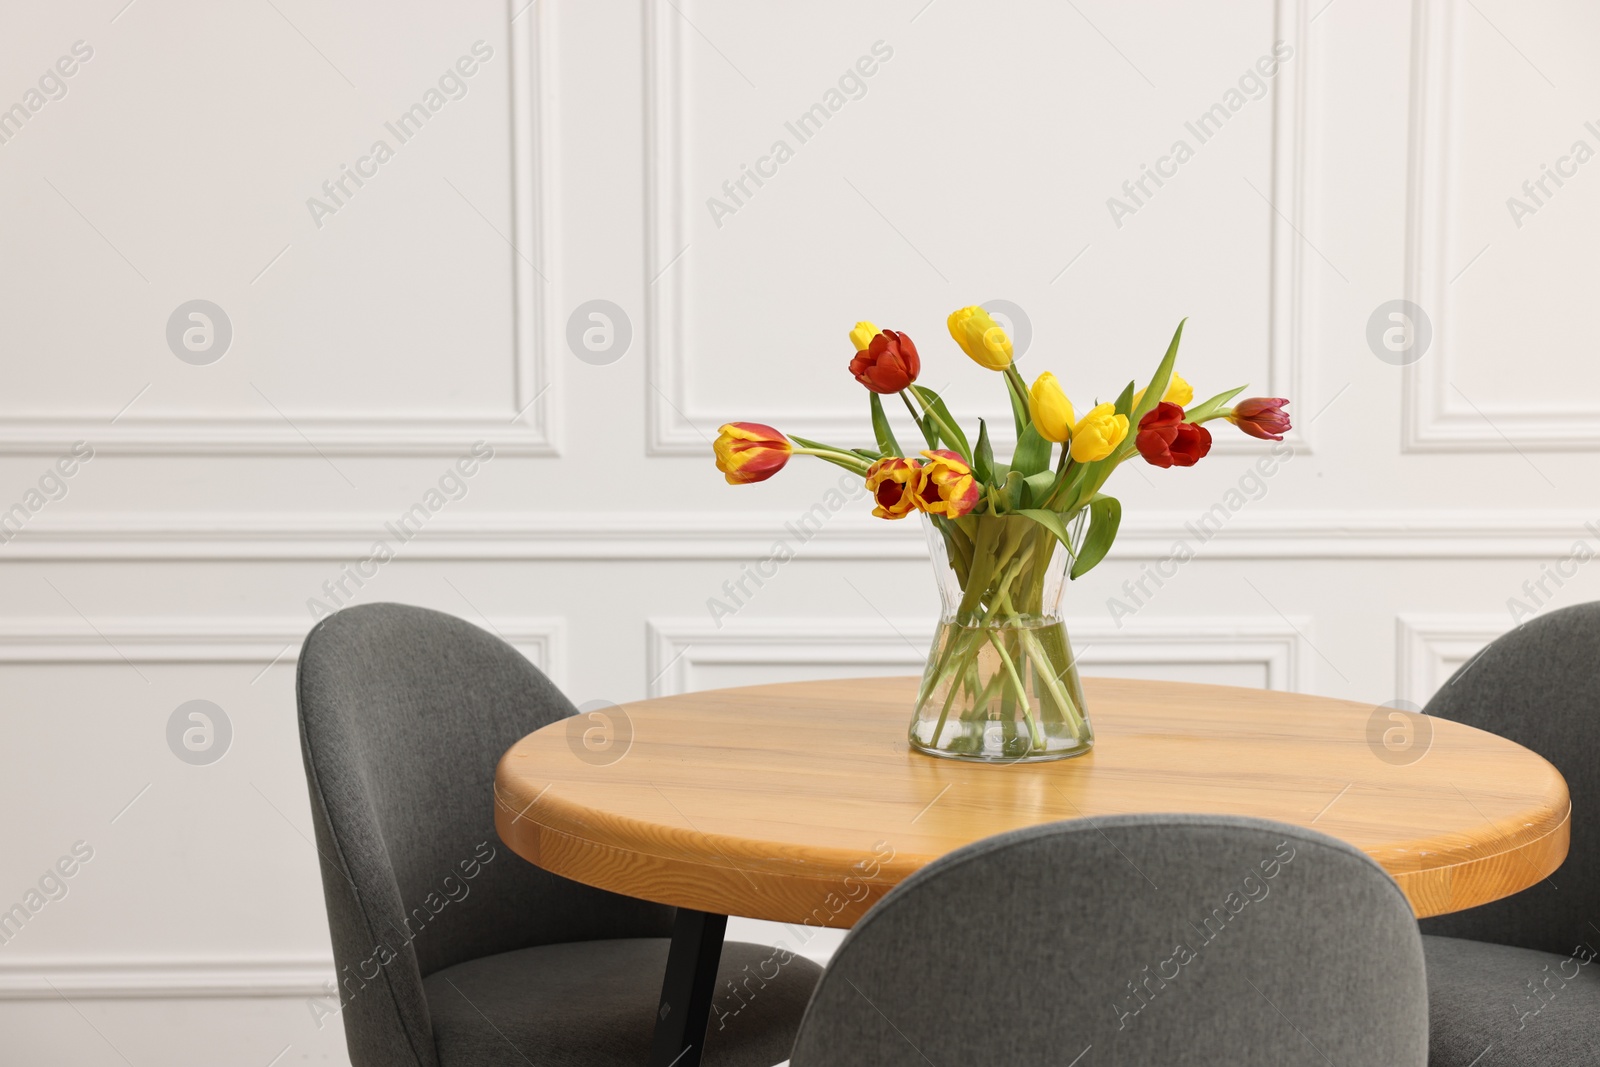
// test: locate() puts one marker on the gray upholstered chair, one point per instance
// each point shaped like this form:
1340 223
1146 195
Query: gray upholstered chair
1516 974
450 950
1147 939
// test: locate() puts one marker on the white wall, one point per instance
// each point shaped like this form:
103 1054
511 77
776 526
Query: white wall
431 309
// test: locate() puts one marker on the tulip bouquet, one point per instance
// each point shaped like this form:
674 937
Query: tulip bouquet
1001 682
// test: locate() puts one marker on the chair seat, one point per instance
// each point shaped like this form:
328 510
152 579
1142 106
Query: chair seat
593 1004
1482 1010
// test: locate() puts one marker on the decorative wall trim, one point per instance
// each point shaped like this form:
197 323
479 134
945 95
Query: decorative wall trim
1291 304
1435 416
668 430
164 979
671 412
535 199
51 640
1429 649
601 536
343 435
526 427
146 640
674 647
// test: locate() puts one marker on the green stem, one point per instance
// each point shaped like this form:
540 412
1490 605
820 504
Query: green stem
855 462
1002 597
1065 471
1046 670
962 561
955 684
1015 381
1034 732
983 562
951 437
933 441
933 677
1020 409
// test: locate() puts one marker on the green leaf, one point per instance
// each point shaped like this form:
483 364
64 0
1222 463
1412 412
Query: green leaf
943 422
841 462
924 424
887 445
1033 452
1019 404
983 458
837 462
1041 484
1051 521
1105 515
1158 382
1125 401
1210 409
808 443
867 454
1014 494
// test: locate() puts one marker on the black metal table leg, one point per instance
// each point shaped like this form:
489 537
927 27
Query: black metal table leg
688 988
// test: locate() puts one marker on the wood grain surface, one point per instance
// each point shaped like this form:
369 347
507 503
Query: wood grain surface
803 803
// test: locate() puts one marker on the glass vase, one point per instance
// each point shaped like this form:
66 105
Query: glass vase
1001 684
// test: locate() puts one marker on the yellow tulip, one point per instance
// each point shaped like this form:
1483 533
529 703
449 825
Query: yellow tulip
981 337
1098 434
1179 392
1050 408
862 335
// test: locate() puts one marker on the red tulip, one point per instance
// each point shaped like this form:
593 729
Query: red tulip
1165 440
1261 417
888 364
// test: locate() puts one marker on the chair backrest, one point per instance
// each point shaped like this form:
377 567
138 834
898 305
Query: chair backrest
404 714
1146 938
1539 685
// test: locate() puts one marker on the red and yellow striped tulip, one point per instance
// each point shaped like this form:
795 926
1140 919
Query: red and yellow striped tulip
750 452
945 485
893 483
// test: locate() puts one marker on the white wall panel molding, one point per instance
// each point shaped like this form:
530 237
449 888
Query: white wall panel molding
599 536
352 434
1437 417
163 978
146 641
527 425
1294 192
673 413
1430 648
535 201
677 648
46 641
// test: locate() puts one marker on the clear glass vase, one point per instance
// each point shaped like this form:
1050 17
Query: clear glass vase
1001 684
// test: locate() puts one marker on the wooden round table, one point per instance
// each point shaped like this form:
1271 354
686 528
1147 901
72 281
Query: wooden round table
803 803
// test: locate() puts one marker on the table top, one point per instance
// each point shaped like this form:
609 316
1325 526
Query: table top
803 802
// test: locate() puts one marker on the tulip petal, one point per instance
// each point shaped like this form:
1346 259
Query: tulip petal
750 452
